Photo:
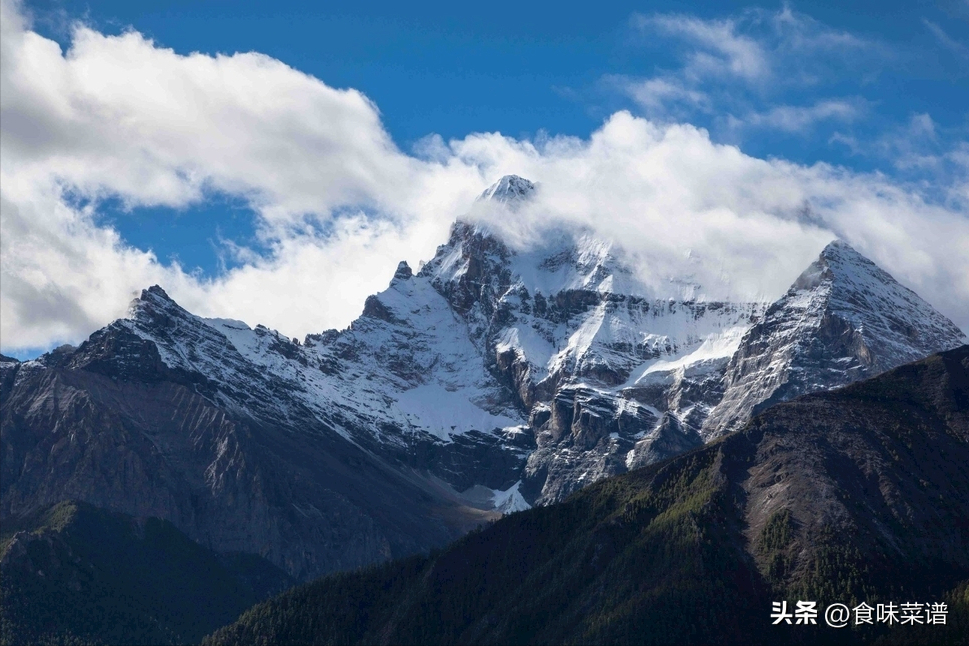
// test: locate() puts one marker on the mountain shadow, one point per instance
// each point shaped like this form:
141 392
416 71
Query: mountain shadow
854 495
76 574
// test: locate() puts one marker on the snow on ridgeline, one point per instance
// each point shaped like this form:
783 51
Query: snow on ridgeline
842 320
549 365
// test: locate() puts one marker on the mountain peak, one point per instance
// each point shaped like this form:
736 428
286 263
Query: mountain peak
844 319
153 299
509 190
839 253
841 265
403 271
155 295
837 246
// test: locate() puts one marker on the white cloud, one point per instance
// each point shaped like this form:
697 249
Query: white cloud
914 145
799 119
741 65
946 40
799 34
668 190
662 98
119 116
719 47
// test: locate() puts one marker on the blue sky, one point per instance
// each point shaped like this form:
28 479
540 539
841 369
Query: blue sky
524 68
877 90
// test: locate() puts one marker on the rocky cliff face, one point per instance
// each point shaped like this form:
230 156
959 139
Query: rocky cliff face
237 463
493 379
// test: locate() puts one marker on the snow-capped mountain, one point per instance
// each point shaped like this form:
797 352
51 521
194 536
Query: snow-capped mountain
493 379
509 190
842 320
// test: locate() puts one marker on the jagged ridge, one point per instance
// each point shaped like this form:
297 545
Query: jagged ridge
493 379
853 495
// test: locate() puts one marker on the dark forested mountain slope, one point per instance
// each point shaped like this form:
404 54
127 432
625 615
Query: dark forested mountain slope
857 494
73 573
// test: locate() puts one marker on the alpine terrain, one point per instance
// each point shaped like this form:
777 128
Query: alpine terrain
859 494
492 380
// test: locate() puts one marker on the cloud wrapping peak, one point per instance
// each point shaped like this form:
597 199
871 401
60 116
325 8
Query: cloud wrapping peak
338 204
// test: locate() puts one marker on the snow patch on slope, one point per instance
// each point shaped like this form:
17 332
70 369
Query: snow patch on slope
510 500
443 413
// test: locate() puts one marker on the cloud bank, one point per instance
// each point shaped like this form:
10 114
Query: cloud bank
338 203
